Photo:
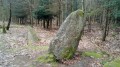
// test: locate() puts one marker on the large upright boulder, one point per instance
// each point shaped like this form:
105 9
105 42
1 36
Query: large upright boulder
66 42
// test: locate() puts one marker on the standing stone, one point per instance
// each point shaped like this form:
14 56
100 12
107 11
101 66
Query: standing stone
66 42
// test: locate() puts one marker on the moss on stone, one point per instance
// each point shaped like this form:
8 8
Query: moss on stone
81 13
114 63
68 52
92 54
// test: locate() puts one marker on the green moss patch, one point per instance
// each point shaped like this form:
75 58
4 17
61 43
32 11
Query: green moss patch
81 13
92 54
114 63
68 52
35 47
107 59
48 58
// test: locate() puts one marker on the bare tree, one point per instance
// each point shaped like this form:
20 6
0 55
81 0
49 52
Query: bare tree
9 22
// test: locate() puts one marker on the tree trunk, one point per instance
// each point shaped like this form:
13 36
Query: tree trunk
75 5
9 22
58 21
44 24
60 12
66 42
19 20
4 29
89 24
22 20
41 23
105 29
37 22
105 32
48 22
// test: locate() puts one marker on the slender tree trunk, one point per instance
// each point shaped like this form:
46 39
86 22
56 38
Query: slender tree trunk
22 20
59 15
89 24
106 27
105 32
19 20
9 22
41 23
84 16
51 24
75 5
44 24
38 22
48 22
4 29
58 21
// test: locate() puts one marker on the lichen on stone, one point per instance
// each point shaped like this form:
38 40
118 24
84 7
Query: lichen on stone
66 41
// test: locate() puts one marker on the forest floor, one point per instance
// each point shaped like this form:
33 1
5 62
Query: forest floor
22 45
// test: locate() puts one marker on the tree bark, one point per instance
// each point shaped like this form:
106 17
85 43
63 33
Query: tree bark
48 23
9 22
106 27
44 26
89 24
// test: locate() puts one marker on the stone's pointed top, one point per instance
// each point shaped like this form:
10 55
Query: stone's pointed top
80 12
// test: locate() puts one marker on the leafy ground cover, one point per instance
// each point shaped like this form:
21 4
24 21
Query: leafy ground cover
19 48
